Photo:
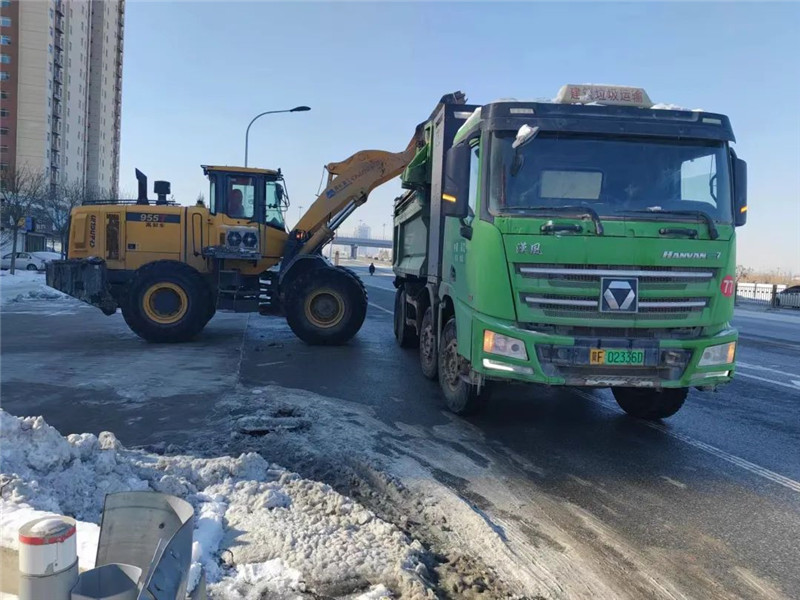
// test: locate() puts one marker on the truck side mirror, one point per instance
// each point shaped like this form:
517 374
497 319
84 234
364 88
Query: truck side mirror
455 192
739 192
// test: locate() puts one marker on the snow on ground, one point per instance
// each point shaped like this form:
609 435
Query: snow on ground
307 536
23 286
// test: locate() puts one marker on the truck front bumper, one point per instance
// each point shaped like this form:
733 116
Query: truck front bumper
84 279
564 360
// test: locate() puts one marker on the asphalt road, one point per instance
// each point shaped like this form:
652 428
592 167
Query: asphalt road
703 505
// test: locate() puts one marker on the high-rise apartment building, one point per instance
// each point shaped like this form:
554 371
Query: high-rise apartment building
62 89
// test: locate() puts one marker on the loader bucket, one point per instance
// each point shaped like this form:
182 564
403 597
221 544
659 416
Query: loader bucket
84 279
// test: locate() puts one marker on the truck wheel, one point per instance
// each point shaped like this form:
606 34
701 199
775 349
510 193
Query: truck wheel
326 306
405 334
650 404
166 302
427 346
461 397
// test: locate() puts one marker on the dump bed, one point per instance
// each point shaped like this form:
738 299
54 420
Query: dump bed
418 222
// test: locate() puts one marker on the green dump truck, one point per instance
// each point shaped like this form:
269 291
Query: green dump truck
587 241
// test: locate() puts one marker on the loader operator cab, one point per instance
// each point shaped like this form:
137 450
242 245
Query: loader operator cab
254 195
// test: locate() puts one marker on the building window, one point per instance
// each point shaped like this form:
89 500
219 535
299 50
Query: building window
50 48
5 40
3 149
5 59
3 130
4 76
5 21
5 2
4 112
3 95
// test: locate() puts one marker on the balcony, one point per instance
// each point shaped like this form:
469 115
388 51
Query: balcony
59 24
58 77
60 7
57 93
59 41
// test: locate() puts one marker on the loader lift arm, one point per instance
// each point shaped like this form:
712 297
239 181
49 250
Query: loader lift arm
349 185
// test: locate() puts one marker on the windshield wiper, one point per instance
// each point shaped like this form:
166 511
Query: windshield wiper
581 211
712 228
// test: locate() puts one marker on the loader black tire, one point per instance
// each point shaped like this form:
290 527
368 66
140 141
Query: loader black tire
460 396
650 404
405 334
167 302
428 352
327 306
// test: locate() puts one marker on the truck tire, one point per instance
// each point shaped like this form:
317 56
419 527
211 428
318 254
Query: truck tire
461 397
428 354
166 302
650 404
326 307
405 335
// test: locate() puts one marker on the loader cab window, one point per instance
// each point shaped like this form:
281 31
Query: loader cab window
240 197
276 204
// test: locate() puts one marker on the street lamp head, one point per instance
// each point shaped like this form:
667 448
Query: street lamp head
300 109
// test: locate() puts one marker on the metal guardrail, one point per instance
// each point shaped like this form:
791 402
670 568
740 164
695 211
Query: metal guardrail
766 294
789 301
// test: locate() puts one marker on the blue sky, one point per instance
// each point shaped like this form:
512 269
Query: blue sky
196 73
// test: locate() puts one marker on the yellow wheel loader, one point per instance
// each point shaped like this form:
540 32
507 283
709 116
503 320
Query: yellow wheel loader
169 268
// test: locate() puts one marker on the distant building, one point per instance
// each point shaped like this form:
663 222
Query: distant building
62 89
364 231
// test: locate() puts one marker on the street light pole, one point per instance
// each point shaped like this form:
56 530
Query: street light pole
269 112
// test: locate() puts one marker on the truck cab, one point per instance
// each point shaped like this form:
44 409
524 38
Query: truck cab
588 241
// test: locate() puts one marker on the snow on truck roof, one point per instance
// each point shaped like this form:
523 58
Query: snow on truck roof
589 94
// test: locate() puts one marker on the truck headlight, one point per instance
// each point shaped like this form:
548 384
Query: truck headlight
495 343
722 354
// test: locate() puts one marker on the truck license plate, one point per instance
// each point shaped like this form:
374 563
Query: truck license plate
616 357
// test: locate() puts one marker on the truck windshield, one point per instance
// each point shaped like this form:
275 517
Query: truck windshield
612 175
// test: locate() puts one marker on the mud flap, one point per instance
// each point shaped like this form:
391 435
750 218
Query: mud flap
84 279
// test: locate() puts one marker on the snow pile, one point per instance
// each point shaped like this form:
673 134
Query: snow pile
26 285
260 530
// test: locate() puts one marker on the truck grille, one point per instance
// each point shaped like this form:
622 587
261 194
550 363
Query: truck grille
595 272
572 291
584 304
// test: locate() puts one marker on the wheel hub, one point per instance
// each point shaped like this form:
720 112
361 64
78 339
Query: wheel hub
451 364
426 343
165 303
325 308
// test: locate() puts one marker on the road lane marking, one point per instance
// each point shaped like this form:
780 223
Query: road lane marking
373 305
385 288
713 450
772 381
760 368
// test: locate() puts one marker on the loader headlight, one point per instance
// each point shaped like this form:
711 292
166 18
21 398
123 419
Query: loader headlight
495 343
722 354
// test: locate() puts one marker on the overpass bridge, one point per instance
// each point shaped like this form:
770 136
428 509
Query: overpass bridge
356 242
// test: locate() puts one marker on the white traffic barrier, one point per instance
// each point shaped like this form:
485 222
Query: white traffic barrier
48 558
